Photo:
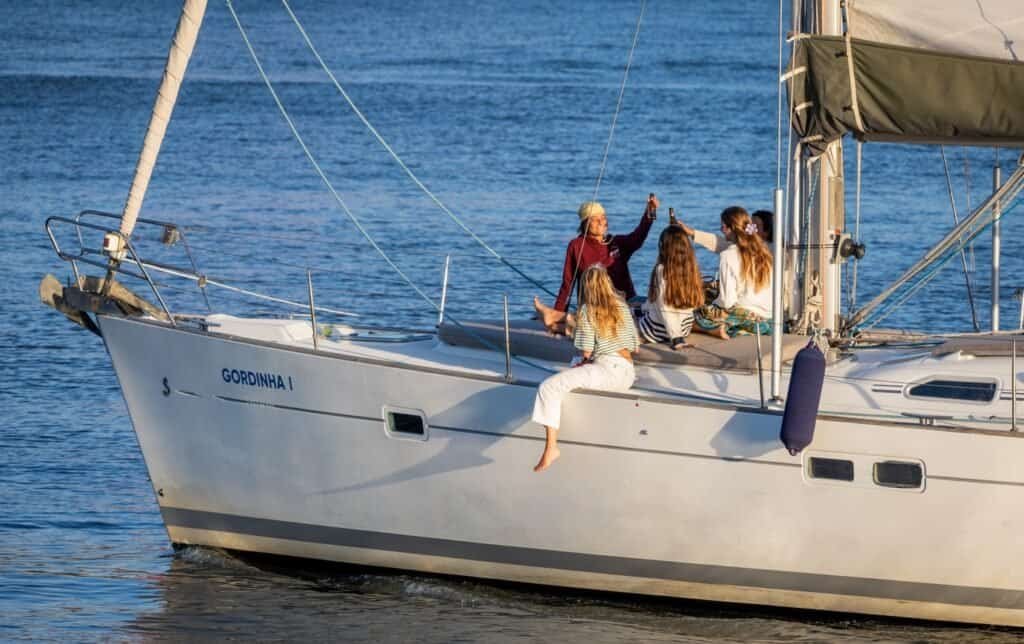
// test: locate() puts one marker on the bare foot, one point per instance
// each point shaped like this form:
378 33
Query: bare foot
548 316
550 455
720 332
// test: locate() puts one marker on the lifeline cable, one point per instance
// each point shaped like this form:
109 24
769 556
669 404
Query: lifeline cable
398 160
337 197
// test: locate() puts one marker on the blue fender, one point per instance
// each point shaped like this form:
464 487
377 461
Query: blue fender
803 399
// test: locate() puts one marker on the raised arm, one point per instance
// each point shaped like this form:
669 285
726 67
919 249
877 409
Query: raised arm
711 241
632 242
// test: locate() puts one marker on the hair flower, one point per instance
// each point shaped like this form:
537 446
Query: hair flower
750 229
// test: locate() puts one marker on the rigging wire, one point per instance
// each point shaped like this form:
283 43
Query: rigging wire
618 103
316 166
967 196
963 252
337 197
933 270
394 155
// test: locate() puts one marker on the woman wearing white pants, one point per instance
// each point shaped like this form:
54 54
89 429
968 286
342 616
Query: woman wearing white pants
607 339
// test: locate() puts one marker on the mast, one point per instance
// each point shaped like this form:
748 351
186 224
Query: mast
182 44
829 216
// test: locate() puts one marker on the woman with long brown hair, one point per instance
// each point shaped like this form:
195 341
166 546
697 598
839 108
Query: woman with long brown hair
744 302
606 338
675 289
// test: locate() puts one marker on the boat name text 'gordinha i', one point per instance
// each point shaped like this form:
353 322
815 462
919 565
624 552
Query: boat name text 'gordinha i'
261 379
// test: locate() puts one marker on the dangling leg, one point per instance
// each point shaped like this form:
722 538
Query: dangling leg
551 451
547 406
552 319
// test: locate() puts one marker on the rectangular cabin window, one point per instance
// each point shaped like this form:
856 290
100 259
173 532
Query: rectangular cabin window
833 469
399 423
955 390
899 474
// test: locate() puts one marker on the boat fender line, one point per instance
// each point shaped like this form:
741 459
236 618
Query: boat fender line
803 399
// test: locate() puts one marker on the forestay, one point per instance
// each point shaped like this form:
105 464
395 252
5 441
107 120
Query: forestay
939 72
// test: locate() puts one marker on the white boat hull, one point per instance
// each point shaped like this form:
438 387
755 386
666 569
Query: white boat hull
655 496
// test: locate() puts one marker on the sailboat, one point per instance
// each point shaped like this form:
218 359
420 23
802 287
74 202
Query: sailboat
409 449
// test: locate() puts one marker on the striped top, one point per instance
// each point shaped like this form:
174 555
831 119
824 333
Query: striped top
661 321
586 337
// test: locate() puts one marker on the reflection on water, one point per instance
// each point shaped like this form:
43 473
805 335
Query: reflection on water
211 594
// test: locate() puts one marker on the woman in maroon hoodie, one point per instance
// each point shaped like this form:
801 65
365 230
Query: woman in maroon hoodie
595 246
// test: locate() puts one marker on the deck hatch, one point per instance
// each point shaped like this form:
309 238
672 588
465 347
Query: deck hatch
833 469
973 391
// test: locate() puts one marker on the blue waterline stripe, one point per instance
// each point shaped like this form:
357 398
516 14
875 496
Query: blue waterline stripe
596 564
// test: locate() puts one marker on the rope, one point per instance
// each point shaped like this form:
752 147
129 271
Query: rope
397 159
852 302
341 202
963 253
618 104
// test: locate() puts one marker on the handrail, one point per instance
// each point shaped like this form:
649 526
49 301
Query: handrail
165 225
128 246
85 255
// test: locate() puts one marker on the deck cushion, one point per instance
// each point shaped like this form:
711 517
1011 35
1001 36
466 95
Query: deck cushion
529 339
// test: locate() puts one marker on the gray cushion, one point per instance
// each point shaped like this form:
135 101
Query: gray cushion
529 339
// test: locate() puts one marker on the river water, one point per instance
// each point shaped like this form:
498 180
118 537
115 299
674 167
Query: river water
503 109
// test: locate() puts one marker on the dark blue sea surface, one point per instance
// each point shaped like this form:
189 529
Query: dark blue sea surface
503 110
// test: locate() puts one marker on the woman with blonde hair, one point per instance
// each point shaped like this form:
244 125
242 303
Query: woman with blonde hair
675 289
744 302
607 339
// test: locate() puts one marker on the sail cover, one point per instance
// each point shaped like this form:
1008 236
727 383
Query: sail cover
943 72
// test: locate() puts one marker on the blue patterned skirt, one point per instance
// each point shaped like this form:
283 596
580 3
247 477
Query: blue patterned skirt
736 321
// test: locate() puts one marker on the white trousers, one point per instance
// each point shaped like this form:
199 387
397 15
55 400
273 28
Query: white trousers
608 372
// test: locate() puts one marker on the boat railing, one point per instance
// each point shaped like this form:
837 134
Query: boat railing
97 257
134 265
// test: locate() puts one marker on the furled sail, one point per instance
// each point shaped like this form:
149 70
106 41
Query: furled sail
949 71
184 41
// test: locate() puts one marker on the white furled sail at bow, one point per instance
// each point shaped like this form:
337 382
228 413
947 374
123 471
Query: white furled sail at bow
174 72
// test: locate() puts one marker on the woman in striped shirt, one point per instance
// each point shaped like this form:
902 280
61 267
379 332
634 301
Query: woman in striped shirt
676 288
607 339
